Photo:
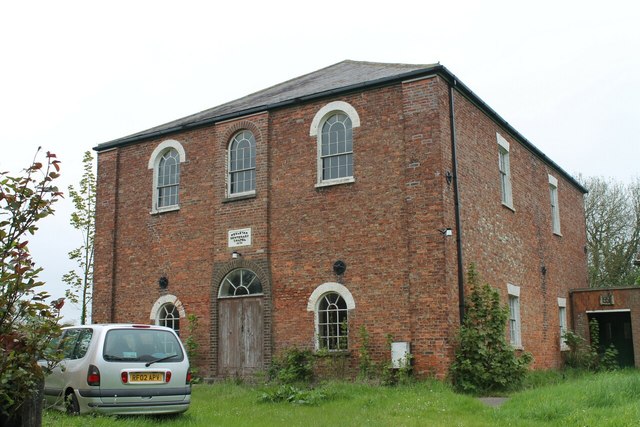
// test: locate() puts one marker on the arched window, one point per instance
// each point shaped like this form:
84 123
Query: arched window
337 148
333 126
333 325
165 162
168 179
242 163
331 303
240 282
167 311
170 317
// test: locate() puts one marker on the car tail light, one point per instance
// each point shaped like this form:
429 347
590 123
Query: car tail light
167 376
93 375
124 376
188 377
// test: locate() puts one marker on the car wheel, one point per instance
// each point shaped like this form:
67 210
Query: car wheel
72 404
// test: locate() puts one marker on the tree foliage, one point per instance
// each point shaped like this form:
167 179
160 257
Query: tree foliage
27 322
484 360
80 279
612 213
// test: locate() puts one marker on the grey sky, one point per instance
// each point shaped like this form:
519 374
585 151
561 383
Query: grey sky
73 74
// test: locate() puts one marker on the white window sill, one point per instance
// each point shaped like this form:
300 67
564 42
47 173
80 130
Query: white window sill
517 346
557 233
240 196
165 209
564 347
337 181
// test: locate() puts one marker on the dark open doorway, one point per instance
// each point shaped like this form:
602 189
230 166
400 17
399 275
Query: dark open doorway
615 328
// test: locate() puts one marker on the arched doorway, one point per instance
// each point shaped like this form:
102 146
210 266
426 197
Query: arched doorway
240 324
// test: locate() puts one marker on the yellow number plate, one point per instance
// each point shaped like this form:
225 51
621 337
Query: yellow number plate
146 377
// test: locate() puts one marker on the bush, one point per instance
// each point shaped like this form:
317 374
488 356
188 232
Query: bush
484 360
293 366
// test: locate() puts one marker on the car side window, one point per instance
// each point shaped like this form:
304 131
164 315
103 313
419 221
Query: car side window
75 343
83 343
69 341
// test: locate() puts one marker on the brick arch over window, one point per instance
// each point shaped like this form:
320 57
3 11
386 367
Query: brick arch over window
237 127
220 271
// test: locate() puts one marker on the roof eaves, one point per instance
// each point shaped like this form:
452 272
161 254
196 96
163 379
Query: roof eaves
245 112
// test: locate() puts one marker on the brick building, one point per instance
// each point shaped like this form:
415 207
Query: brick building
356 195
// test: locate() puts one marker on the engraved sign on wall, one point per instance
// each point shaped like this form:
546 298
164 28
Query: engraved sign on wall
240 237
606 299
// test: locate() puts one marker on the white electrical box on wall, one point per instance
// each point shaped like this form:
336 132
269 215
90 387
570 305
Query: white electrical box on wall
399 353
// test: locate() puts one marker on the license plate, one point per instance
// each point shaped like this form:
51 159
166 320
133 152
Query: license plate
146 377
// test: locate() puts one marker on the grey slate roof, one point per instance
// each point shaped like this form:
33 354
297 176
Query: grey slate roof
339 77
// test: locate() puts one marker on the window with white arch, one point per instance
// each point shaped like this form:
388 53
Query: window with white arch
333 126
167 311
331 304
242 164
165 162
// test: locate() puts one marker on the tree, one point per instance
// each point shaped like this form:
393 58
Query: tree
484 360
80 280
612 212
27 322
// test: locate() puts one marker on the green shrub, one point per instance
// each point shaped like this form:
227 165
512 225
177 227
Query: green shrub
292 366
293 394
484 360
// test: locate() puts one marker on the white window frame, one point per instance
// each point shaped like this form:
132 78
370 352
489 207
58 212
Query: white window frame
562 314
161 302
335 107
504 166
230 172
154 164
515 324
555 206
313 305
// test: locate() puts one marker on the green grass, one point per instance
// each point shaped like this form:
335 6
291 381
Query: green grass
609 399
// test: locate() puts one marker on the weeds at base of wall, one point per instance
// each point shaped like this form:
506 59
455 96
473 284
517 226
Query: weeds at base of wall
586 356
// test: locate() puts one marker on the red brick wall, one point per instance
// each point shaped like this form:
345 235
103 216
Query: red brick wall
512 246
401 270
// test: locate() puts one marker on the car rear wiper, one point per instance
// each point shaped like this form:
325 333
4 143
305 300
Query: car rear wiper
162 359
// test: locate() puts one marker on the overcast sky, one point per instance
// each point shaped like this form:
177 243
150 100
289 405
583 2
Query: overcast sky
73 74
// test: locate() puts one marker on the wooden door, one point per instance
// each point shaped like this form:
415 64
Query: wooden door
240 340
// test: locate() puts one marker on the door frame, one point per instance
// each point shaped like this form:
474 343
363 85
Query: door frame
261 269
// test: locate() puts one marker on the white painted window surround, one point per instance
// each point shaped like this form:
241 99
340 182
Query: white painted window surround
154 163
325 113
318 297
562 313
159 312
555 208
504 166
515 327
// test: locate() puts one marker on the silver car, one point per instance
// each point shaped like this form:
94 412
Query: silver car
120 369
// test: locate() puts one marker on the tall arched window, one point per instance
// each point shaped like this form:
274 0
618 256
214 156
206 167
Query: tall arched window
333 325
165 162
337 147
169 316
240 282
333 127
242 163
168 179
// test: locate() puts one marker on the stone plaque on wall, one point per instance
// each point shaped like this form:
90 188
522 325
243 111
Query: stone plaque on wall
606 299
240 237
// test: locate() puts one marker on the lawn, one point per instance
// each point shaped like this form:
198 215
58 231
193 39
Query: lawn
608 399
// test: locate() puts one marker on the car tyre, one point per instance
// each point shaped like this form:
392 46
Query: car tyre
72 404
